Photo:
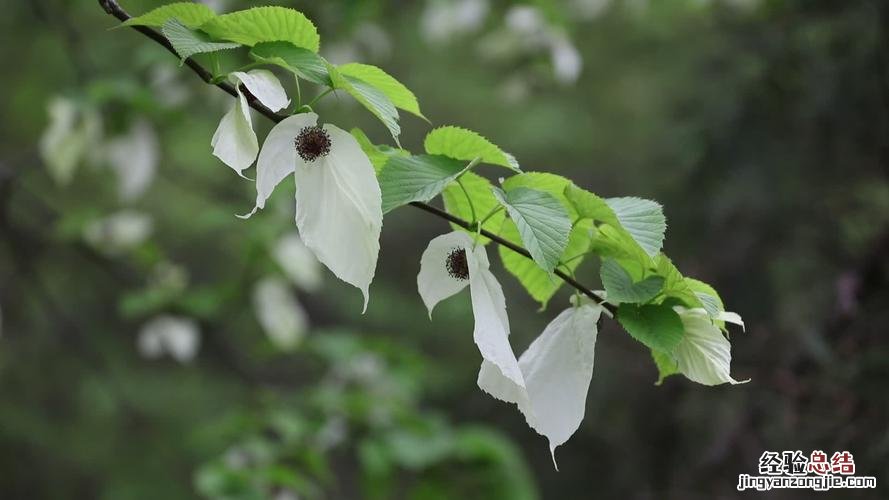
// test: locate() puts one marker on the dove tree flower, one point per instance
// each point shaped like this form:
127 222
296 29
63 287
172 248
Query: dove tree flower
175 336
235 142
557 368
450 263
338 200
704 354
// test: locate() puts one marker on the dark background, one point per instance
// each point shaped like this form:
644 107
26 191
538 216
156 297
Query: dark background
762 127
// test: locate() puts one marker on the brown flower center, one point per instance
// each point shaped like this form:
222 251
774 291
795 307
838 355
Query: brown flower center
456 264
312 143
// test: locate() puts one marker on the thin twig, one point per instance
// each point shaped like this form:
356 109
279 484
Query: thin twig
114 9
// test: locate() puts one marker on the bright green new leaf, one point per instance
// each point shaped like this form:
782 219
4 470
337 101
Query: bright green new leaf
265 24
400 95
478 190
643 219
676 285
370 97
189 14
417 178
543 181
589 205
540 284
666 365
621 288
302 62
542 222
655 325
378 154
188 42
467 145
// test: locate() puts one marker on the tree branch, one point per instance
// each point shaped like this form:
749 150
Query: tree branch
114 9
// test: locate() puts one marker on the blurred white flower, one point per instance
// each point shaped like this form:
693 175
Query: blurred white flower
72 135
118 232
279 313
590 9
285 494
166 83
169 275
338 200
341 52
525 20
298 262
374 39
333 433
175 336
566 59
234 141
133 157
443 20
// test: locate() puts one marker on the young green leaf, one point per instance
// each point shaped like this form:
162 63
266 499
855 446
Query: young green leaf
621 288
676 285
302 62
417 178
188 42
467 145
474 203
542 223
643 219
655 325
265 24
400 95
378 154
666 365
543 181
375 101
189 14
589 205
540 284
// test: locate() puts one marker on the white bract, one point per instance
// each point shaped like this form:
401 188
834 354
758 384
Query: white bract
557 369
298 262
173 335
704 354
338 200
118 232
279 313
73 133
234 141
133 157
448 264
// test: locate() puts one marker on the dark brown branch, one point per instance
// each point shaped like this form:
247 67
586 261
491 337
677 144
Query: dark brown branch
112 8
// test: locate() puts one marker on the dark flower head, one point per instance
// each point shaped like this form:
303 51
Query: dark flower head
312 143
456 264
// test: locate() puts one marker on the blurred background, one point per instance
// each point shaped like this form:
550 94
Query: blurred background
154 346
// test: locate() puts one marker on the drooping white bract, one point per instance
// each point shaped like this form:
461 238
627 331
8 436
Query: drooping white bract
298 262
338 200
557 369
279 313
134 157
451 262
704 354
234 141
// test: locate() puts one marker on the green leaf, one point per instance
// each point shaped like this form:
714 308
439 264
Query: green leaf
542 181
378 154
643 219
265 24
189 14
621 288
676 285
590 206
542 223
540 284
302 62
479 191
400 95
666 365
467 145
417 178
375 101
655 325
188 42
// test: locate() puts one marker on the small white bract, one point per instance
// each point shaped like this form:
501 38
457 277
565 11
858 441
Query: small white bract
234 141
338 200
279 313
173 335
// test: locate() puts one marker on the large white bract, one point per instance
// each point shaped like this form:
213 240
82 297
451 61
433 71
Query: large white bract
338 200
